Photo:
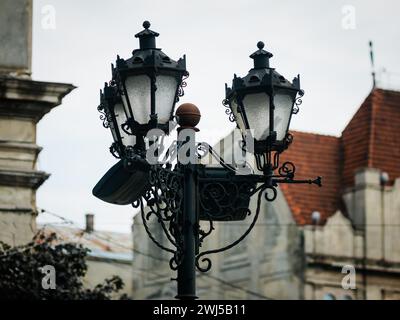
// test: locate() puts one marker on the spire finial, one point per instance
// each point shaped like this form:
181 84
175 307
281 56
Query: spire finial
371 55
147 37
146 24
261 57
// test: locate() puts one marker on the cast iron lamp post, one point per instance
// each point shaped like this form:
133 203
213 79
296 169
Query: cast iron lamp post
142 95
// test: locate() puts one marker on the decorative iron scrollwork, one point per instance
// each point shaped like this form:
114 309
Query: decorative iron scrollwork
203 234
181 87
228 110
225 200
114 150
222 196
201 259
164 200
287 170
298 102
202 150
104 116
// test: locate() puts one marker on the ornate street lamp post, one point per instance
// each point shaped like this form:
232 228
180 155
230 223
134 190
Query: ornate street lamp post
141 97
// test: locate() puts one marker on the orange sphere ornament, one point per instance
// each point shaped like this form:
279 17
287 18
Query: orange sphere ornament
188 116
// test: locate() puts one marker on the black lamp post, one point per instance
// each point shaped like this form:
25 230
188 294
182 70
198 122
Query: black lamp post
142 95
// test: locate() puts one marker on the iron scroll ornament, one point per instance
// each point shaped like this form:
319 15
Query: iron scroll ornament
182 85
228 110
221 198
231 245
164 200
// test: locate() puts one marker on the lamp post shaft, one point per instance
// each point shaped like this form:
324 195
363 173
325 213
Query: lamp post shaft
188 116
187 268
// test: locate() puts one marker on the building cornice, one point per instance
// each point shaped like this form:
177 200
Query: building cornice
93 257
29 179
20 146
336 263
30 99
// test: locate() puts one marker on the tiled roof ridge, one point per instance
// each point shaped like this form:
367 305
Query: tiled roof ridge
364 102
371 136
373 96
382 90
314 134
106 241
79 229
369 140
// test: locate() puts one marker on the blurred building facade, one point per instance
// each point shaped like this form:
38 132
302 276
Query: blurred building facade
23 103
110 253
361 228
303 239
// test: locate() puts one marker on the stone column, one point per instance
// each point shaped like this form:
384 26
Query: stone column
368 200
23 103
16 37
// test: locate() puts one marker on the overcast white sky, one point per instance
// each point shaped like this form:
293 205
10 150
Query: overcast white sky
312 37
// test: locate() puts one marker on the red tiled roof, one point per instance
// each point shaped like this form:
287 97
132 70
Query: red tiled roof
371 139
313 154
356 142
384 139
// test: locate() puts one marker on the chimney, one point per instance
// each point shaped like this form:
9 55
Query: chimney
89 222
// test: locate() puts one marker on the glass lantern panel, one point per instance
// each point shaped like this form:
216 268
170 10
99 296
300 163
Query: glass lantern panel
238 117
283 110
138 88
165 97
127 139
256 106
125 104
112 128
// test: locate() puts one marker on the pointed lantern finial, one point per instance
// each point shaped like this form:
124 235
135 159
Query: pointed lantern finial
147 37
261 57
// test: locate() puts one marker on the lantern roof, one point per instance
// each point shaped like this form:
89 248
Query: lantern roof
261 76
149 57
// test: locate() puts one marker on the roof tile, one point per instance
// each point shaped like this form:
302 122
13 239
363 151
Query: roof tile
371 139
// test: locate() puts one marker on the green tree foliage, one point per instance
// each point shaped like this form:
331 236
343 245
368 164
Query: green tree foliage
21 272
